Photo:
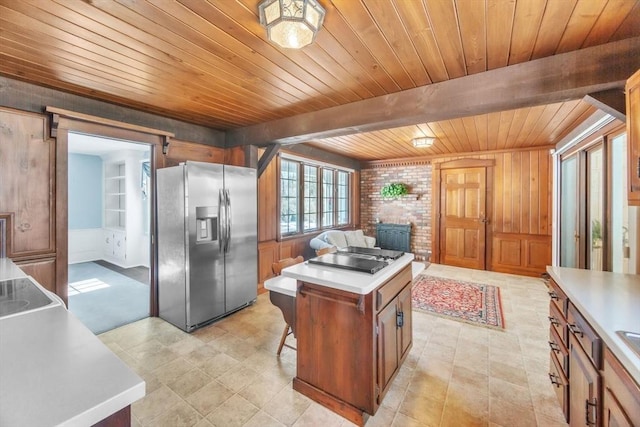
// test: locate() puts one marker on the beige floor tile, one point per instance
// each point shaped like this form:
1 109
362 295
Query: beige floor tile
238 377
235 412
187 384
507 414
179 415
219 364
509 392
262 419
154 404
455 373
422 408
209 397
287 406
507 372
172 370
317 415
261 390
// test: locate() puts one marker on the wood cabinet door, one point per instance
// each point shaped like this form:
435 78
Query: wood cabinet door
633 137
614 415
27 175
388 357
584 387
463 217
43 270
405 335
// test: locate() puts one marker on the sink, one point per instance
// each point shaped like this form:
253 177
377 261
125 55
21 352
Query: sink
632 339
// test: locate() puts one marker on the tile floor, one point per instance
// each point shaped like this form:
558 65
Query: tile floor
456 374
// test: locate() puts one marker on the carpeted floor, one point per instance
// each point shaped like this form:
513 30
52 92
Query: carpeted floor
474 303
103 299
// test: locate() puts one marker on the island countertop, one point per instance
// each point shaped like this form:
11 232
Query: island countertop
55 371
610 302
346 280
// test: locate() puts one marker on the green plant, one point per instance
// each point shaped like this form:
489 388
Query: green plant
596 230
394 190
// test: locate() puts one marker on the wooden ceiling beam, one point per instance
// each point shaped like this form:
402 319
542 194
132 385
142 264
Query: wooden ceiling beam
557 78
610 101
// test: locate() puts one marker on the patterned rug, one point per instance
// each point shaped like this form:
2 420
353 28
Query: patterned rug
474 303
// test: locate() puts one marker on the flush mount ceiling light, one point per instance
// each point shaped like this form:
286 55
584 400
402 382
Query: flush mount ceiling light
422 142
291 23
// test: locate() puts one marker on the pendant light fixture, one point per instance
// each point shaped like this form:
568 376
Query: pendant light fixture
423 142
291 24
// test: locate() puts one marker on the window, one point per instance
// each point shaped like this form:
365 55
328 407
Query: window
312 196
594 214
288 197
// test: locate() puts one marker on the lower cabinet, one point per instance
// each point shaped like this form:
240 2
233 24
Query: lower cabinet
350 346
593 388
394 338
43 270
621 403
584 387
115 246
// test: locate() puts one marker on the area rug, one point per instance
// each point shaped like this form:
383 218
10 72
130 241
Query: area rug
474 303
103 299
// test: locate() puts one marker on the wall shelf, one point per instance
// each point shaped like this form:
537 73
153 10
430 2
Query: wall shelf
410 196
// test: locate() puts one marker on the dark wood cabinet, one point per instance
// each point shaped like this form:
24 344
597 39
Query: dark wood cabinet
559 344
621 403
394 338
633 137
27 193
584 394
350 346
592 386
43 270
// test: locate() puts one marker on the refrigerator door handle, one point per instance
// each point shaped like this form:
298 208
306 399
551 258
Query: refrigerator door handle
221 225
228 220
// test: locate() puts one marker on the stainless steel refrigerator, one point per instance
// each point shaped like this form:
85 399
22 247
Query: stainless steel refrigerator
207 242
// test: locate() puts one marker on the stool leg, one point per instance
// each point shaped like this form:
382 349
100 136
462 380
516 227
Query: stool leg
284 337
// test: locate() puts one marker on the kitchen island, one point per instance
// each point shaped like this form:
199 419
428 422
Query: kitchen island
353 333
54 371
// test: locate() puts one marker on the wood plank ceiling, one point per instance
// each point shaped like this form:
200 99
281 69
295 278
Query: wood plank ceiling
209 63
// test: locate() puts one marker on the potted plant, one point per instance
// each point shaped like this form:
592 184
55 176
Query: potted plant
393 190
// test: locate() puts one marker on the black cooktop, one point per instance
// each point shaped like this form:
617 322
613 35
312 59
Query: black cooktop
351 261
378 253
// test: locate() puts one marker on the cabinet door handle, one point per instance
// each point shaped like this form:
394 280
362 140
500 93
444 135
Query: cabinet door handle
106 240
554 321
575 330
399 319
555 380
591 407
553 296
555 347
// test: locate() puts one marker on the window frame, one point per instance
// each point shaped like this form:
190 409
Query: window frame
321 169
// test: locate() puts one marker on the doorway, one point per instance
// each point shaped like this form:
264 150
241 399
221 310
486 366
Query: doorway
462 201
109 229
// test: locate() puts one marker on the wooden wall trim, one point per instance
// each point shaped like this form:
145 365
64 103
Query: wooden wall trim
102 121
465 163
427 160
66 125
29 97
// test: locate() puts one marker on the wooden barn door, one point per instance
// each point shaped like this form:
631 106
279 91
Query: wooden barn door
462 214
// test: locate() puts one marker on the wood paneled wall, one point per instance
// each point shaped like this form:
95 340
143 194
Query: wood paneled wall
521 211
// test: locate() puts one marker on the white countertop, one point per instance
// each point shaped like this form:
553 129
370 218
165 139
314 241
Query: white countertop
346 280
610 302
55 371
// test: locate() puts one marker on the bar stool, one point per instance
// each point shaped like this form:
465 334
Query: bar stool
286 303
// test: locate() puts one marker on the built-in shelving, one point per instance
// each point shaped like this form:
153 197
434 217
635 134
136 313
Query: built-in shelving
115 203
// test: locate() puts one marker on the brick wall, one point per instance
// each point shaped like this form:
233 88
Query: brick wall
414 208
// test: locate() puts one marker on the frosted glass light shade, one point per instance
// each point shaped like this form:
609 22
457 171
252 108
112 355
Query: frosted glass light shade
423 142
291 23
